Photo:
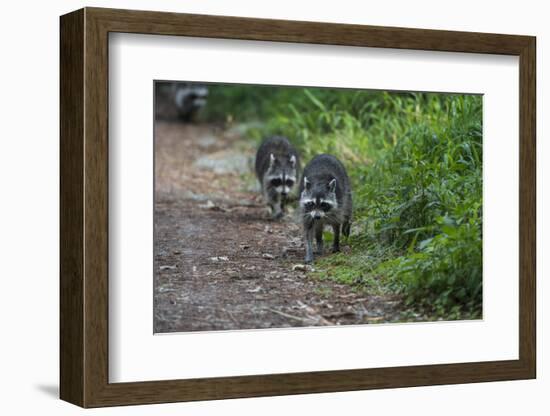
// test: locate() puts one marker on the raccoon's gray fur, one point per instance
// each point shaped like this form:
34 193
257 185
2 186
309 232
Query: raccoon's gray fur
325 199
277 169
179 100
189 99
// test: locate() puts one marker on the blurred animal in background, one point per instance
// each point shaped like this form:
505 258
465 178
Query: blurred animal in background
325 199
179 100
277 169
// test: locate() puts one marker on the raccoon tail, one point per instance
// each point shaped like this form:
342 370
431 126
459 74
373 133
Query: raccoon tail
345 229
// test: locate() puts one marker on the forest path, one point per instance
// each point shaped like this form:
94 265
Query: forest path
220 262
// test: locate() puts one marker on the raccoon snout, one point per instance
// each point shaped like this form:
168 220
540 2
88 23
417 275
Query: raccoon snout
284 190
317 215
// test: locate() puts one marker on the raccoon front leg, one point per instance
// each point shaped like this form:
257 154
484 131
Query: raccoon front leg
319 237
346 228
336 243
276 211
274 203
308 237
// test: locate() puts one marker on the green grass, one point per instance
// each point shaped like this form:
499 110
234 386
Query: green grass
415 162
323 291
358 268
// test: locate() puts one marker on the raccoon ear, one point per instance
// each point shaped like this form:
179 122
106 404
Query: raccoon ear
293 160
332 185
307 184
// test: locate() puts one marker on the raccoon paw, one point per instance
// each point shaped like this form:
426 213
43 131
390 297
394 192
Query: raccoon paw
277 215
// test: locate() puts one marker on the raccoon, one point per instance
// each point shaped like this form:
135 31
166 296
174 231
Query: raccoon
277 167
325 199
189 100
179 100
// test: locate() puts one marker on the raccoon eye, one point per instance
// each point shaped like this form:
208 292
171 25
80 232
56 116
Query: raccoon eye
309 205
289 183
325 206
276 182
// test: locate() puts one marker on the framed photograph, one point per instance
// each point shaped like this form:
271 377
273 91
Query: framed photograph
255 207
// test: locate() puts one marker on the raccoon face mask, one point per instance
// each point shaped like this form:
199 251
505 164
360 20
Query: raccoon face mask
318 199
281 174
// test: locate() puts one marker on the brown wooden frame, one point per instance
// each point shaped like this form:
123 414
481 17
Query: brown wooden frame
84 207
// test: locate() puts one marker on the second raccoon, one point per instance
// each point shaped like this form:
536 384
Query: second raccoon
325 199
277 167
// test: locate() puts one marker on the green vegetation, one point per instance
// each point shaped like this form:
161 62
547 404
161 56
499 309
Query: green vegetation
415 161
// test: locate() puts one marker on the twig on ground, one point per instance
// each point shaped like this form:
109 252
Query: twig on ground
287 315
316 313
233 318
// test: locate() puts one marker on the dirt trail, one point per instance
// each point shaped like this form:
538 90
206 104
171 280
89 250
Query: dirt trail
220 263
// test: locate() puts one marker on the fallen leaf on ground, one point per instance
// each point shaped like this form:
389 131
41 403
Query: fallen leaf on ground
219 258
376 319
302 268
210 205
